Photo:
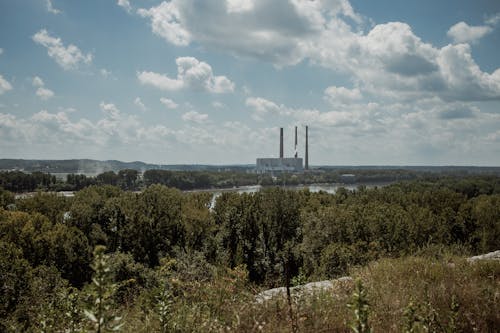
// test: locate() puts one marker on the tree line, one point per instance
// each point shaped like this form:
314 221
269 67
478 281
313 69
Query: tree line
131 179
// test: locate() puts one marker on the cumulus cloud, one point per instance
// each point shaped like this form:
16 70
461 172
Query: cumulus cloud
261 107
191 74
464 33
392 61
314 117
125 4
169 104
195 117
140 104
37 82
46 128
50 7
463 78
4 85
388 60
270 30
341 95
42 92
110 110
69 57
166 23
159 81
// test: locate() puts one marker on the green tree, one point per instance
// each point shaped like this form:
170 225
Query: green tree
15 274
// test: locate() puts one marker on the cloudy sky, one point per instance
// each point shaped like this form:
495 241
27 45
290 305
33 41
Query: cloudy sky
189 81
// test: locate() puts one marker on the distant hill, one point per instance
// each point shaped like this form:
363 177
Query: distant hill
444 169
88 166
94 167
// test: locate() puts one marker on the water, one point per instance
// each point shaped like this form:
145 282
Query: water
328 188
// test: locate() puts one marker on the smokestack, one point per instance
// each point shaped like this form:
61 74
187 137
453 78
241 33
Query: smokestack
281 142
307 149
296 153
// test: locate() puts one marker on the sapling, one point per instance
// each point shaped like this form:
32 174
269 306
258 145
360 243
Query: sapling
102 316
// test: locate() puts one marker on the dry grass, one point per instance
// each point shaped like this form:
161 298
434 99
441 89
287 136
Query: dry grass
432 286
227 303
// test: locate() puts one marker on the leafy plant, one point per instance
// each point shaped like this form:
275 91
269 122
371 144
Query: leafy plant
101 315
163 308
361 309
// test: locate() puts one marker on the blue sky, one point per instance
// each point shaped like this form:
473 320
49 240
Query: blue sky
186 81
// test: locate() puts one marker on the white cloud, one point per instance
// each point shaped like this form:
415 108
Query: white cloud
1 51
58 131
37 82
195 117
261 107
273 31
463 78
46 128
348 117
4 85
392 62
140 104
50 7
110 110
192 74
341 95
44 93
125 4
166 23
169 104
464 33
159 81
388 61
493 20
69 57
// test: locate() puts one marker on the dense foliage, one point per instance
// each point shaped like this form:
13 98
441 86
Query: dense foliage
163 245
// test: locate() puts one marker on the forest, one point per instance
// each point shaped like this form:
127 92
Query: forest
162 260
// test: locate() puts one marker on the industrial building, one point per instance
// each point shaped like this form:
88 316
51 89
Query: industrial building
284 164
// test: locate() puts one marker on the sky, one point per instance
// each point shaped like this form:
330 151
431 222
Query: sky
384 82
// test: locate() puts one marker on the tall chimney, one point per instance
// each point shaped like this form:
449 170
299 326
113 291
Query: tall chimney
281 142
296 153
307 149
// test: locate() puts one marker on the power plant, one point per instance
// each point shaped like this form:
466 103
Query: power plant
282 163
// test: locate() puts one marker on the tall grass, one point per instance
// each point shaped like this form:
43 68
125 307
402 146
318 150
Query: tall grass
412 294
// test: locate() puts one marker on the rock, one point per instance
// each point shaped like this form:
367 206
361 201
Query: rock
488 256
305 289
